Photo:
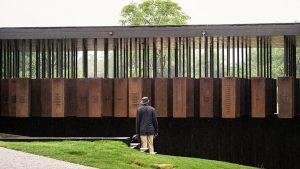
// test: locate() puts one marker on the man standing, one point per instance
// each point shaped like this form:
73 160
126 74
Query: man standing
146 124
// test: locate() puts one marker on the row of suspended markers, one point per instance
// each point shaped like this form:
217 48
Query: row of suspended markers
172 97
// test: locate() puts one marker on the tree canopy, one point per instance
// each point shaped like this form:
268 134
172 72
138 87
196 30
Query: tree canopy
153 12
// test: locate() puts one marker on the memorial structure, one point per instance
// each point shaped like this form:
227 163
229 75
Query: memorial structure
208 83
186 71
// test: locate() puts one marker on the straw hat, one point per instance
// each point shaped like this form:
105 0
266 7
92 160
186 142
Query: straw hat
145 100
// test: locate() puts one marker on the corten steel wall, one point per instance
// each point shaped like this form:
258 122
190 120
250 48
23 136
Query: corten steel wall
180 97
270 142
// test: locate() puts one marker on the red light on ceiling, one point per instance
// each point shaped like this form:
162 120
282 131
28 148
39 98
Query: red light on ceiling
110 33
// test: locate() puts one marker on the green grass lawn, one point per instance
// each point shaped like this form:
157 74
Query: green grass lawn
113 155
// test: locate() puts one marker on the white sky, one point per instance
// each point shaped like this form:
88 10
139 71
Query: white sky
39 13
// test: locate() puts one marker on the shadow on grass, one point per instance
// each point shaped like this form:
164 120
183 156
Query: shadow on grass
77 153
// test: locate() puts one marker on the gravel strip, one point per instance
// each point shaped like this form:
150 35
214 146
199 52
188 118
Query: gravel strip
11 159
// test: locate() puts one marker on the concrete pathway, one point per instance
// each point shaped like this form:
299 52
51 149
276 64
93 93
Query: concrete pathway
11 159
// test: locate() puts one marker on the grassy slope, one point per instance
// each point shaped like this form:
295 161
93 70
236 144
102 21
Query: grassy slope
113 155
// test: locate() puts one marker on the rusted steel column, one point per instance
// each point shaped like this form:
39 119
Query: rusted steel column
250 70
35 97
261 58
183 97
12 97
223 69
9 59
262 93
194 59
270 52
238 56
5 59
242 59
163 102
288 97
176 57
211 57
161 55
233 56
85 58
265 57
148 57
246 58
206 57
130 57
115 58
257 57
76 59
231 97
210 97
105 58
49 58
61 59
184 51
37 62
135 58
2 58
70 97
154 58
138 88
290 55
218 58
123 57
95 57
140 58
120 97
179 58
23 97
8 97
144 56
52 97
200 56
14 58
169 57
82 97
72 58
43 59
126 57
65 58
94 97
100 97
23 58
228 56
68 57
188 56
57 57
183 57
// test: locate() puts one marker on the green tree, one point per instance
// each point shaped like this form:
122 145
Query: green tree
153 12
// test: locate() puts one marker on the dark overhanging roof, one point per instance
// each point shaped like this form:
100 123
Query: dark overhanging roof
273 29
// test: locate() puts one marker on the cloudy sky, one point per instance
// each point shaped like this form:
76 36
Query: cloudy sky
39 13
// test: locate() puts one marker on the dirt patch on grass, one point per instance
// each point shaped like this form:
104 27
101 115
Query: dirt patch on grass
137 163
163 166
